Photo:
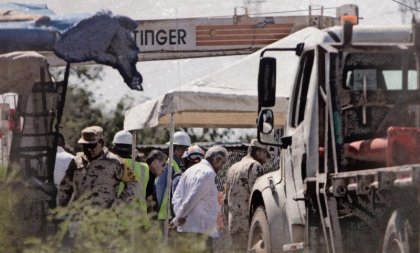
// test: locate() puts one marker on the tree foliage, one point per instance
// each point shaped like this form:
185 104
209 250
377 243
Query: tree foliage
81 110
78 113
78 228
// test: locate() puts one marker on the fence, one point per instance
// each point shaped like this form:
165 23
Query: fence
236 152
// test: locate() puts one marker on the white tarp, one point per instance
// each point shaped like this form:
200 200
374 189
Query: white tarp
20 70
226 98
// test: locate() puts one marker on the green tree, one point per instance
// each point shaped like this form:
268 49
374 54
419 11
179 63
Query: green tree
81 110
78 113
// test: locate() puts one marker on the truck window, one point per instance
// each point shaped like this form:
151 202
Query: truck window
379 79
301 91
393 79
380 106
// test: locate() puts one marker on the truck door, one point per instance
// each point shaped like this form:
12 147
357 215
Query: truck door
298 125
322 214
296 154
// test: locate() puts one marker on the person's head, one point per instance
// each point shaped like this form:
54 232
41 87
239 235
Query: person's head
193 155
181 142
156 161
92 141
259 151
123 141
217 156
60 140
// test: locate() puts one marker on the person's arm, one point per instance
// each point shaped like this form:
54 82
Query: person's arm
66 188
126 175
175 181
199 189
160 186
177 196
256 170
225 204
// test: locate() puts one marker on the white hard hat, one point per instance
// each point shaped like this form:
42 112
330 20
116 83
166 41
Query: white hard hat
123 137
181 138
193 152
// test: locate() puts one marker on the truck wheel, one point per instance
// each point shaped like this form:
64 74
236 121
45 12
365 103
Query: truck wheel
259 234
398 235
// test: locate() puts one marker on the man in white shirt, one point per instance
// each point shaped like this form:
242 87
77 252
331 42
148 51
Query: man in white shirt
195 199
62 161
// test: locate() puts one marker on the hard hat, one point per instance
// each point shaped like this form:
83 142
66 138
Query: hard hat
193 152
123 137
181 138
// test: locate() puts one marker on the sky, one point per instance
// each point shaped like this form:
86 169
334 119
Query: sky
162 76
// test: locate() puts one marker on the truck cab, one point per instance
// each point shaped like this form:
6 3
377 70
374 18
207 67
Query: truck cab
352 126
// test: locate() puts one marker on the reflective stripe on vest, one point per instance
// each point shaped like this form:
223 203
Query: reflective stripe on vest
163 211
138 167
137 172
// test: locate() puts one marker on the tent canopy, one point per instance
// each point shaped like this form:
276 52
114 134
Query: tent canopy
227 98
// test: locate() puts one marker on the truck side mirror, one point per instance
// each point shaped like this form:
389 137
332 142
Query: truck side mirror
266 121
265 132
267 82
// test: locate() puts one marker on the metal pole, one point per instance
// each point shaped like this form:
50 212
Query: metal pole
139 192
169 179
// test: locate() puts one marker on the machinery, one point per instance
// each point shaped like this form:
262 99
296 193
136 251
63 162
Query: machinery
349 171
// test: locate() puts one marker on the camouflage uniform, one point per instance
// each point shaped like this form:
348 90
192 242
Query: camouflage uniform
97 181
238 185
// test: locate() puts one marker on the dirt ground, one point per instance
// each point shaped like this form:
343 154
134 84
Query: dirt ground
222 244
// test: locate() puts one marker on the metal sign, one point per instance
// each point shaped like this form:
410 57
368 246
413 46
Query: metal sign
203 37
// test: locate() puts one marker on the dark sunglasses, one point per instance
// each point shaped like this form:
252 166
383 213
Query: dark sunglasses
90 145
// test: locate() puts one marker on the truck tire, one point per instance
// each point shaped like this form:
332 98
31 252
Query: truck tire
398 235
259 234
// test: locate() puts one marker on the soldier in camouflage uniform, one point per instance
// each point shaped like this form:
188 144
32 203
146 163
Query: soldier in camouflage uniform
95 174
238 185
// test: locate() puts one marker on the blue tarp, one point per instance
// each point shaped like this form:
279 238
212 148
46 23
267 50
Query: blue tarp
103 37
56 23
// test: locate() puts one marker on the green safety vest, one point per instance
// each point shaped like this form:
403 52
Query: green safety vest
163 211
137 172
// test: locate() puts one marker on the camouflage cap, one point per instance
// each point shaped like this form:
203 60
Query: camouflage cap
91 134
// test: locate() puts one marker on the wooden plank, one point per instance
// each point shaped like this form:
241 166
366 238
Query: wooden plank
242 31
218 119
238 42
227 35
236 27
242 37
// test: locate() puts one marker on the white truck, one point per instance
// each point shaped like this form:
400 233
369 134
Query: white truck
349 177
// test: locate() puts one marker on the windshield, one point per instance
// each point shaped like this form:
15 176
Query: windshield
379 72
380 109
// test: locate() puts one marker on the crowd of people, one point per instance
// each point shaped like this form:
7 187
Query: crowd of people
105 177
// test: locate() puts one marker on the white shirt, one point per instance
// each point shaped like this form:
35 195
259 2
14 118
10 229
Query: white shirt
62 161
195 199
